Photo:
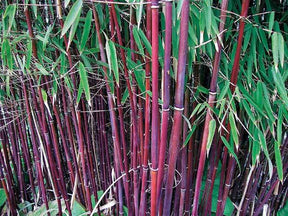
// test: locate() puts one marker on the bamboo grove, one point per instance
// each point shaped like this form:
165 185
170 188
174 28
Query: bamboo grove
144 107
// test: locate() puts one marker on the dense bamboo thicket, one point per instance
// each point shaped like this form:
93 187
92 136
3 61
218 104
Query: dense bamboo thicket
144 107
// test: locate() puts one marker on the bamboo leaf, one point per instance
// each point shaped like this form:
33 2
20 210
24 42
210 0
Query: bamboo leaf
47 36
280 125
125 96
234 130
263 39
278 159
34 7
10 12
6 54
138 41
79 94
271 22
179 8
280 86
189 135
197 109
255 152
283 211
44 95
265 150
73 30
42 70
145 41
275 49
84 82
267 104
281 48
139 13
72 16
208 17
86 30
212 128
45 100
140 78
247 38
224 91
3 197
112 59
66 3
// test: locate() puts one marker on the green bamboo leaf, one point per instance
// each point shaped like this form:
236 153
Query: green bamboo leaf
247 38
251 101
87 62
86 30
139 13
271 22
10 13
6 54
234 131
84 82
45 100
34 7
253 51
42 70
54 91
224 91
66 3
208 16
267 104
73 30
197 109
69 83
255 152
275 48
79 94
280 125
3 197
72 16
283 211
279 164
112 59
138 41
188 137
266 153
263 39
7 83
47 36
44 96
179 8
125 96
280 85
281 48
145 41
212 128
140 78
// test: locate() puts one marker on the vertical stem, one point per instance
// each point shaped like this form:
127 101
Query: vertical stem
165 97
155 108
179 96
142 209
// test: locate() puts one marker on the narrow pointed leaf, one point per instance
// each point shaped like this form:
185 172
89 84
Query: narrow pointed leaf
112 59
72 16
212 128
84 82
86 30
